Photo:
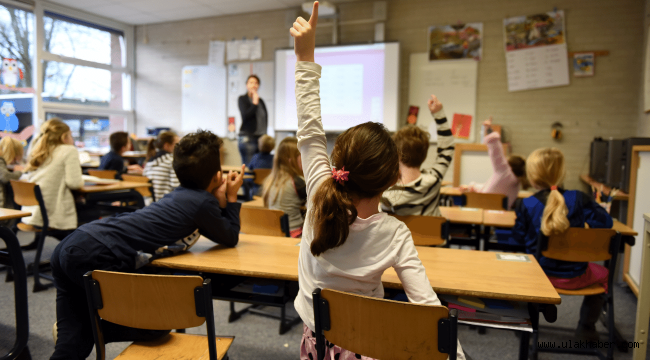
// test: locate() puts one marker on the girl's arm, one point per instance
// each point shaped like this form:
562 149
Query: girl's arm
495 151
73 179
411 272
595 215
311 136
6 174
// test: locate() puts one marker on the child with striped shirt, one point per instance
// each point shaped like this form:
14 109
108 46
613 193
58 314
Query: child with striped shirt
159 164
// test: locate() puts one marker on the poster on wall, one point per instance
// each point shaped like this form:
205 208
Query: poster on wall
536 51
583 64
460 41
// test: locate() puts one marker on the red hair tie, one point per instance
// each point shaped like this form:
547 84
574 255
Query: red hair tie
554 187
340 175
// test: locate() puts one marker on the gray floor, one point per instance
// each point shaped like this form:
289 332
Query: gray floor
257 337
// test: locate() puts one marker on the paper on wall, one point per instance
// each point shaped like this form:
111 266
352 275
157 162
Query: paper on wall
216 53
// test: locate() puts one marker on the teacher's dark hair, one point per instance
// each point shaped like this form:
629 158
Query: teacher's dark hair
196 159
256 78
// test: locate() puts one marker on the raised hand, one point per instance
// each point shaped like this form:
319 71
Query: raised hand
434 104
304 35
488 122
234 181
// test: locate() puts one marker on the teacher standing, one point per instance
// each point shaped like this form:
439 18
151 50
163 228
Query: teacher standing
254 119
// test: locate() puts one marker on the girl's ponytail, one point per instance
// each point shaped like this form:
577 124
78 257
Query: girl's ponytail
554 218
151 150
335 210
545 170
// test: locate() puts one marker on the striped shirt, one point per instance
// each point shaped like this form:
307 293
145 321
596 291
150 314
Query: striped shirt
161 173
422 195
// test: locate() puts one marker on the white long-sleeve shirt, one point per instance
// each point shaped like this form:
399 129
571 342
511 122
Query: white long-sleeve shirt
59 174
373 245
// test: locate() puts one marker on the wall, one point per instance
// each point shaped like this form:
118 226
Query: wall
605 105
644 119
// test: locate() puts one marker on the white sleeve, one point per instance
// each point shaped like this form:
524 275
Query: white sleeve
73 179
311 136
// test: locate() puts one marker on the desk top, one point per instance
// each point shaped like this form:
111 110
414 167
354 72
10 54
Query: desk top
450 271
134 154
8 214
606 189
226 168
507 219
122 185
257 203
460 215
454 191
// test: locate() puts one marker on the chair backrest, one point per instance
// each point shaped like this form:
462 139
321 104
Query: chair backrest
260 175
144 191
102 174
384 329
485 201
154 302
29 194
580 245
258 221
427 230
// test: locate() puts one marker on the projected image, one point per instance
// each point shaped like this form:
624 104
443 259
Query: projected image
352 87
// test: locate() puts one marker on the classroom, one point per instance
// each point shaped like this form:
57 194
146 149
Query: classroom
522 236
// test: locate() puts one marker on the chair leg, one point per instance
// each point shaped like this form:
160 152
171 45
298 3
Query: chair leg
38 286
10 275
533 346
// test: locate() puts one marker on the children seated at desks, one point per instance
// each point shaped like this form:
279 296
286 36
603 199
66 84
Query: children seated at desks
54 166
347 243
120 143
508 174
12 153
552 210
261 160
417 192
158 167
205 204
285 188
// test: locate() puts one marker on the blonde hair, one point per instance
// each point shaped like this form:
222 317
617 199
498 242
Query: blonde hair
11 149
51 137
285 168
545 168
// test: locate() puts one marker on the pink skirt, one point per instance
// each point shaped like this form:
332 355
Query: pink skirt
595 274
332 352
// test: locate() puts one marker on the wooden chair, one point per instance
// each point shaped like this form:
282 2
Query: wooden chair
260 175
29 194
384 329
264 222
155 302
485 201
145 192
585 245
102 174
427 230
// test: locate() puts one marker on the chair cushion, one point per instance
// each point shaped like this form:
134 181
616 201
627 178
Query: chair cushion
27 228
176 346
594 289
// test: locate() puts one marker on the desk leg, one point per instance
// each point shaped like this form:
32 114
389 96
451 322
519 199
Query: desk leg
523 345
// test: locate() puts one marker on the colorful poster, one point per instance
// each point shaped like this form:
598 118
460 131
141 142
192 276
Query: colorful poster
461 126
522 32
412 117
583 64
460 41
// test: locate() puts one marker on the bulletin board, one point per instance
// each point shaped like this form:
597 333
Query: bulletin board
237 75
452 81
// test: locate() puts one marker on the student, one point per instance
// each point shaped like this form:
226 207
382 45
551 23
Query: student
347 244
261 160
120 143
158 167
54 166
552 210
418 191
285 188
12 153
205 204
508 174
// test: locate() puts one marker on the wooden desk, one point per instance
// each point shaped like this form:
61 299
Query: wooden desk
499 218
257 203
455 191
606 189
134 154
8 214
458 215
227 168
122 185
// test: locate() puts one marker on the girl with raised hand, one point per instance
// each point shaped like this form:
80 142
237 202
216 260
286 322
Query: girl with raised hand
347 243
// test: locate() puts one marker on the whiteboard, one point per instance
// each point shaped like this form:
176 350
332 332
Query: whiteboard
237 75
203 104
475 166
641 206
452 81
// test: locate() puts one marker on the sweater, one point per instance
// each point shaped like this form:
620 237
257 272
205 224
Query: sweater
113 161
422 195
59 174
254 118
503 180
289 197
160 171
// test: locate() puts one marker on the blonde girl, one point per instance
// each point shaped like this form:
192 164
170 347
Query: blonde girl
552 210
54 166
158 167
284 189
347 243
12 153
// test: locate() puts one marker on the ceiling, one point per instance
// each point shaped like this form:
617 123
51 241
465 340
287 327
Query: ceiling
138 12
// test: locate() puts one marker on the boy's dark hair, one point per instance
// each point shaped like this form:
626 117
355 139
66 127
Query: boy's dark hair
518 165
196 159
118 140
256 78
412 145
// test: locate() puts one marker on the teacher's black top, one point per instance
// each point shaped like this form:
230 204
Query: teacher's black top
254 117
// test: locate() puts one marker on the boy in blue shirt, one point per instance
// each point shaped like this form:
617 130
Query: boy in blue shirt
205 204
120 143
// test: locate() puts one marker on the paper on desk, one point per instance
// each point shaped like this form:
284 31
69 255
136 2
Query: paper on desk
96 180
518 327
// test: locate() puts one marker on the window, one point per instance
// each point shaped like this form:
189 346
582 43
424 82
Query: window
91 131
16 49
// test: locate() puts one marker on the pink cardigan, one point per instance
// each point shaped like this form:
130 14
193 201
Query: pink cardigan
503 180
